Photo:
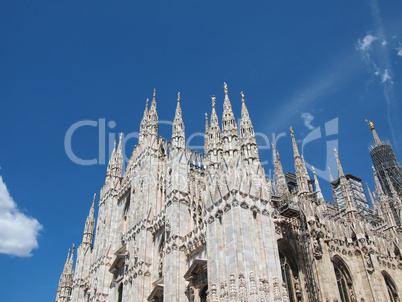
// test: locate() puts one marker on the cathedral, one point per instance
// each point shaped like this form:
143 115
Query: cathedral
179 225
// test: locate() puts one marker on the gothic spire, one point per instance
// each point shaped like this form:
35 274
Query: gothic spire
394 193
338 163
302 181
282 187
249 145
320 197
115 165
331 178
144 124
378 188
71 261
206 134
384 202
377 140
230 132
153 118
346 194
178 134
89 225
65 286
214 142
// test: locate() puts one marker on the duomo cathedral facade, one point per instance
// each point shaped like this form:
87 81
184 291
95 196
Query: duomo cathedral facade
180 226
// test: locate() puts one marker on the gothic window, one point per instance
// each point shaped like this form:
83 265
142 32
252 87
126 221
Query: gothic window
120 293
203 294
126 207
392 290
160 254
344 282
287 276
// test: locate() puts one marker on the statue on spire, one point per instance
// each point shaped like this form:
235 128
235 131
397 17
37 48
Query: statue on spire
225 87
213 98
371 124
242 96
178 97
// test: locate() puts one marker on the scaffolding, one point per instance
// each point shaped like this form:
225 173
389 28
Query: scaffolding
386 163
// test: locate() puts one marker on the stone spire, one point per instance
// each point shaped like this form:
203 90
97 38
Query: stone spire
230 132
346 194
153 119
281 185
394 193
320 197
115 165
302 181
331 178
377 140
214 137
206 140
66 279
178 134
378 188
384 202
89 226
376 205
71 261
249 145
144 125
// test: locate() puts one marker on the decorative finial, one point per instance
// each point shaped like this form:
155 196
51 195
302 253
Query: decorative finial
121 136
225 87
94 197
312 168
213 98
178 97
336 152
371 124
206 116
291 130
146 104
242 96
114 147
154 95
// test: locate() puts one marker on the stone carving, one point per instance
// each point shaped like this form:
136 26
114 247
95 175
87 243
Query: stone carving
233 289
242 288
253 288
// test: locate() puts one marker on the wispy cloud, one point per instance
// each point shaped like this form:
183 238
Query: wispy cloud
365 43
18 232
319 87
307 119
399 49
379 63
385 76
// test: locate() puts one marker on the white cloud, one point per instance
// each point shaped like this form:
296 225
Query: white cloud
384 43
399 51
307 119
385 76
18 232
366 42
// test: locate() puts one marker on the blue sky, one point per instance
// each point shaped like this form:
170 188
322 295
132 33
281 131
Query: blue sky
299 63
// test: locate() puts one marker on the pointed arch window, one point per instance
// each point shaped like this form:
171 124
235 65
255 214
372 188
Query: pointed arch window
203 294
344 281
120 293
290 277
391 287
